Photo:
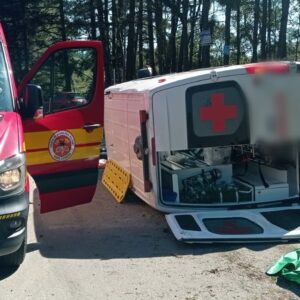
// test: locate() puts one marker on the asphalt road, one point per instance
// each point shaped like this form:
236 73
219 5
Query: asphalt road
105 250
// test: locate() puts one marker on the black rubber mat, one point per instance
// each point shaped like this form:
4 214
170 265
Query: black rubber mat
187 222
286 219
232 226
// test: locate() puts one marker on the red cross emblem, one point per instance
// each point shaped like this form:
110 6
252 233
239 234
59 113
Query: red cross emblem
218 113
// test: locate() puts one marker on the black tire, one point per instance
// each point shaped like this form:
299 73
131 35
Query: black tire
15 259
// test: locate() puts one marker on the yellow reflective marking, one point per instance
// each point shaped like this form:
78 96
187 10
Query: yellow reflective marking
116 180
40 139
10 216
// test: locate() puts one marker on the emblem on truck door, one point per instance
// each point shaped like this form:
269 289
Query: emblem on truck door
61 145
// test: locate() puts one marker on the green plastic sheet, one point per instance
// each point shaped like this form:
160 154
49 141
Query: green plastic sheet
288 266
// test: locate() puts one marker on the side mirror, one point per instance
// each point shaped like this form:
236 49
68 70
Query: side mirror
32 100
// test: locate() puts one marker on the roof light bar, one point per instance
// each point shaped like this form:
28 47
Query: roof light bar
267 68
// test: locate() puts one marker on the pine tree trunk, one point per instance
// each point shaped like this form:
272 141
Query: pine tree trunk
183 51
205 61
67 86
297 42
282 49
93 19
238 33
103 29
119 53
131 44
192 34
269 52
100 19
172 42
227 32
150 35
159 35
255 31
140 34
195 14
119 46
107 45
185 11
114 41
264 29
62 20
25 39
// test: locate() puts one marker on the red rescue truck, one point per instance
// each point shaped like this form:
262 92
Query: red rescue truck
50 127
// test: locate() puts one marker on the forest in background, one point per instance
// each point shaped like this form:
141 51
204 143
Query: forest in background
168 35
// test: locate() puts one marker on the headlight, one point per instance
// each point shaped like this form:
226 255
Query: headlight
12 173
10 179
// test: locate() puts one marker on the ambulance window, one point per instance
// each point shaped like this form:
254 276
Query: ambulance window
6 102
67 79
216 115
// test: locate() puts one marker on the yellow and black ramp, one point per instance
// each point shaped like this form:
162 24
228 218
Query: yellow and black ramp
116 179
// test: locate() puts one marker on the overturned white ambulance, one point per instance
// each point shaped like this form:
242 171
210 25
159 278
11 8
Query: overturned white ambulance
218 149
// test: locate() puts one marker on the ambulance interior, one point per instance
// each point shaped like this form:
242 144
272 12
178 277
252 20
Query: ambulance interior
239 170
231 175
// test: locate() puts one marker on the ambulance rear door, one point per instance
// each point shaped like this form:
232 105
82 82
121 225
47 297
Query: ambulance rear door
232 109
255 225
202 113
62 110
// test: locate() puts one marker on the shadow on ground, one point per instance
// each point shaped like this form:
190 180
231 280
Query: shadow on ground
105 229
6 272
288 285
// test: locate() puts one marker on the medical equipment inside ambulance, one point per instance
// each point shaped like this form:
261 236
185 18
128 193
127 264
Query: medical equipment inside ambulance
229 175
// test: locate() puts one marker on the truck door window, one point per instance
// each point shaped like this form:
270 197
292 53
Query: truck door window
67 79
6 102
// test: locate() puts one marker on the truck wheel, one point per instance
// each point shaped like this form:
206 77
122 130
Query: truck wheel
15 259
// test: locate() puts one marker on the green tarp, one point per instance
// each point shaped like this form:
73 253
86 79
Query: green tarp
288 266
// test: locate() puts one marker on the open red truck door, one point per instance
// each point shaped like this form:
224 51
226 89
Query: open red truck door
62 110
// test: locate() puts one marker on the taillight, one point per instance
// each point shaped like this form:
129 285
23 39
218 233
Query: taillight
267 68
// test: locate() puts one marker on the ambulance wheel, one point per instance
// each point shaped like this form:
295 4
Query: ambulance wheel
15 259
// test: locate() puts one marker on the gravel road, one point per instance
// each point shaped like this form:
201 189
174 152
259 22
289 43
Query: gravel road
105 250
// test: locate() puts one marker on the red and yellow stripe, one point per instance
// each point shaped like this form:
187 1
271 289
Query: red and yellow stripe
86 145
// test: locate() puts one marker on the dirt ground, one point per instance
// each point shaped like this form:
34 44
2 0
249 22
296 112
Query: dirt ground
105 250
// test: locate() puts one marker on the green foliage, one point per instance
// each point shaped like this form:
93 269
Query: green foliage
32 25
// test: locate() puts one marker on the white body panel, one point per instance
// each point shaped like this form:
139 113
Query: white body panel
122 126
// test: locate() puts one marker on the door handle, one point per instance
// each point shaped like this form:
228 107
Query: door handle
90 127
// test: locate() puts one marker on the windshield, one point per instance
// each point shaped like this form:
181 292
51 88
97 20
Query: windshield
6 103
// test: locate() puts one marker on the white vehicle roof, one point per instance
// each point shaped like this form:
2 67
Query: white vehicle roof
153 84
157 83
